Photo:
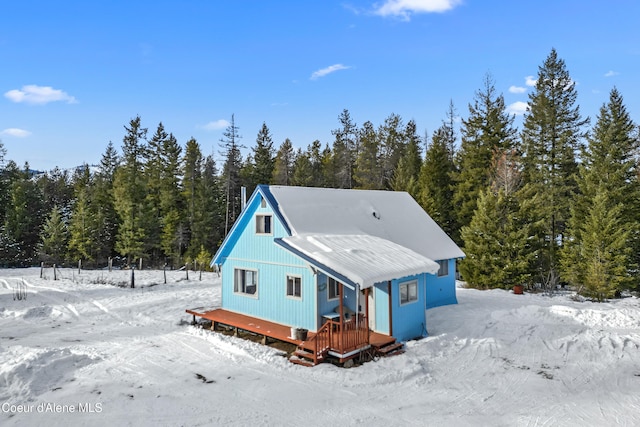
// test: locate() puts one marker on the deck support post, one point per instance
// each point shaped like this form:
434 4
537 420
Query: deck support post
214 326
193 322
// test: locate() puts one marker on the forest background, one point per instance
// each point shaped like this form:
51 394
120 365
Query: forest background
556 202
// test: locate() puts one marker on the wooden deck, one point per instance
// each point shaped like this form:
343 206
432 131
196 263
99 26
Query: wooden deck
247 323
278 331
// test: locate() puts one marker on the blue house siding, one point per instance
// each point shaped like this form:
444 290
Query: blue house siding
442 290
258 252
409 318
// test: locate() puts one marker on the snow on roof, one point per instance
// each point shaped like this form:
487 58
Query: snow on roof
390 215
363 259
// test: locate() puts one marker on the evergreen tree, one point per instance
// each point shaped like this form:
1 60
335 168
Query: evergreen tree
103 209
83 228
487 130
551 135
407 173
208 231
496 241
283 170
171 201
392 147
302 170
599 262
53 237
129 193
192 165
436 183
368 173
315 158
231 172
609 171
153 165
24 217
263 160
345 150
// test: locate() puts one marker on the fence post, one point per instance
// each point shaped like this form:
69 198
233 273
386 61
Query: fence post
41 269
79 265
164 271
55 277
186 268
140 263
133 277
110 264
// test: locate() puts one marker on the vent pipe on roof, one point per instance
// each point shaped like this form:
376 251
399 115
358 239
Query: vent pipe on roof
243 197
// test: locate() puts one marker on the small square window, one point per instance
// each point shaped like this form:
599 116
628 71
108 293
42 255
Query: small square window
245 281
263 224
294 286
408 292
444 268
263 203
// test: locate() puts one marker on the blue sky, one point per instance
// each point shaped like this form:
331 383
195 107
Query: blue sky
75 72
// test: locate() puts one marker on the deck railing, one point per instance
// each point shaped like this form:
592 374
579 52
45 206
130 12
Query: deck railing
321 342
349 335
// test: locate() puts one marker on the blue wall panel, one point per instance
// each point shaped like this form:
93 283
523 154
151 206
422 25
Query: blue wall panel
442 290
408 319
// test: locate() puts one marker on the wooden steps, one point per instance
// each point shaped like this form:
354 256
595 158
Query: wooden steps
304 357
391 349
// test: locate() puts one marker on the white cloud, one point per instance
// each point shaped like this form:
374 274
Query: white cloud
18 133
517 89
517 108
405 8
216 125
39 95
611 73
530 81
331 69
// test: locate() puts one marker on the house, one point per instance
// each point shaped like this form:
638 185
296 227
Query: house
355 268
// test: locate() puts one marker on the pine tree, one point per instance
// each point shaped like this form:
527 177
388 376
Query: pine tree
83 228
129 192
171 201
231 172
436 183
263 160
609 171
24 217
368 173
302 170
407 172
392 147
153 165
497 240
487 130
345 150
208 226
102 205
53 238
283 170
551 135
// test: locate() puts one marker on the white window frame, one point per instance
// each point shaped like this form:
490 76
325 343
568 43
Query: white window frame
444 268
408 286
241 288
292 294
261 224
331 282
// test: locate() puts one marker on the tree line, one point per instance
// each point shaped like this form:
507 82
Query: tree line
555 202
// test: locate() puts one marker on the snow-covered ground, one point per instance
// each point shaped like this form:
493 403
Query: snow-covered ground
77 352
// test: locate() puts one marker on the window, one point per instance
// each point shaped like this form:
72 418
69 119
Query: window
294 286
263 224
245 281
332 288
444 268
263 203
408 292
